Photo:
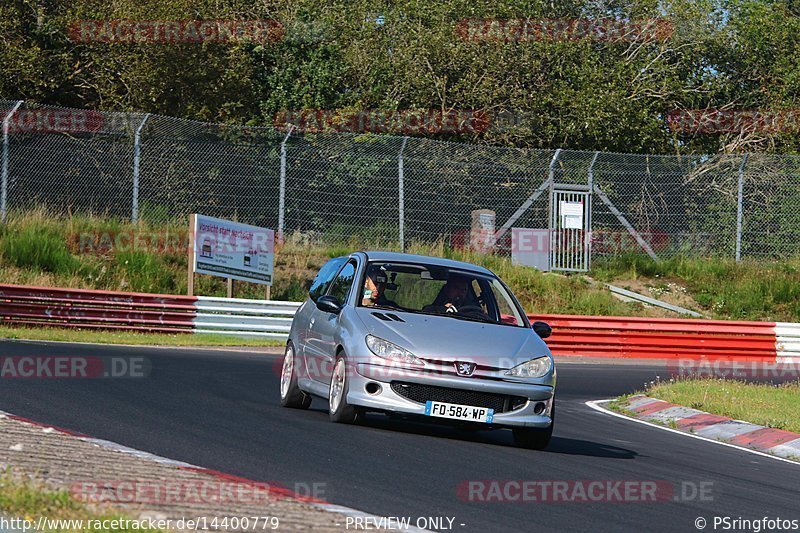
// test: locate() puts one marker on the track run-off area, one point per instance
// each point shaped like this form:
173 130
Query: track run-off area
220 409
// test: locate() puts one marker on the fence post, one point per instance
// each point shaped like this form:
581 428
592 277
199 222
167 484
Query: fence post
401 198
590 173
4 193
740 209
590 182
551 213
282 190
137 150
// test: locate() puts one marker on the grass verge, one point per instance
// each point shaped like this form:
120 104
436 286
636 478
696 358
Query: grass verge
92 252
27 500
125 337
721 288
774 406
86 252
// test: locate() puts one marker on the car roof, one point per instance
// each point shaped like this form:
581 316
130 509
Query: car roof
414 258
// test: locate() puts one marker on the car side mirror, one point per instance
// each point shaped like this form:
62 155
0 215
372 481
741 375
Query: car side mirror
329 304
542 329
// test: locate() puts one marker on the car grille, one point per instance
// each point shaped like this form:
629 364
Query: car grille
423 393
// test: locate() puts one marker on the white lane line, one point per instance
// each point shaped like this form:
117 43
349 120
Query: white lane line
595 404
147 456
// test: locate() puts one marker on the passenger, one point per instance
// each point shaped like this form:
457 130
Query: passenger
374 287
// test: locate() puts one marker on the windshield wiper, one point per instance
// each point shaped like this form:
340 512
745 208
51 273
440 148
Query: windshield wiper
470 318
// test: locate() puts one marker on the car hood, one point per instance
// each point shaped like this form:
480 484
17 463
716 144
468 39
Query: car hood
447 338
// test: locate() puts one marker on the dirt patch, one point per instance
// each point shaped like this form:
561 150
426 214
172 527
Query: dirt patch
665 290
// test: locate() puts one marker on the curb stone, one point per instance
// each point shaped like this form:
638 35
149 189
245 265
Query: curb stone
776 442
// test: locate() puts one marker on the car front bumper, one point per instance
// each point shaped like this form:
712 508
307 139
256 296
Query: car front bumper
388 400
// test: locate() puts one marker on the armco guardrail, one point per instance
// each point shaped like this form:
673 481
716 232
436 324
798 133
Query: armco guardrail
666 338
264 318
96 309
156 313
621 337
787 343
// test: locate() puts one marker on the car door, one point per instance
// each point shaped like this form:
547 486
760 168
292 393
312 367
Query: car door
319 287
321 346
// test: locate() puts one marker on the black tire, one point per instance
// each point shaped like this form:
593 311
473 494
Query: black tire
291 395
344 413
535 438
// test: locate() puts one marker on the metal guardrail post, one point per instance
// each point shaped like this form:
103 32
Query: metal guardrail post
137 151
282 190
401 198
740 209
651 301
4 171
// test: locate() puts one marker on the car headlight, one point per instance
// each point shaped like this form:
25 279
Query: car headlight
389 350
535 368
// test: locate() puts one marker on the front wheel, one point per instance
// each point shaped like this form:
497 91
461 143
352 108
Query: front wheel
340 410
536 438
291 395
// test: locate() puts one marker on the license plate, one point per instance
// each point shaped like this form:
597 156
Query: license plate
459 412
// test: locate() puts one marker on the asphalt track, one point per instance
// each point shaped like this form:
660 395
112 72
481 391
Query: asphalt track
219 409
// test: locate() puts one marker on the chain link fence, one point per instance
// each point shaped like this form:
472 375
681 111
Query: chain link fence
389 191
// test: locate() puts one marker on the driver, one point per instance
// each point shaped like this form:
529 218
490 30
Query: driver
453 295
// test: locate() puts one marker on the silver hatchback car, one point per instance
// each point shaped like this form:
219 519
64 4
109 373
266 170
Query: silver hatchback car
420 336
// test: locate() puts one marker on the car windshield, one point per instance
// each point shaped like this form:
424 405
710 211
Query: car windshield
435 290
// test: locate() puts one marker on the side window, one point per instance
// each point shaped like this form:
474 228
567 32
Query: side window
505 307
324 277
478 289
344 282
